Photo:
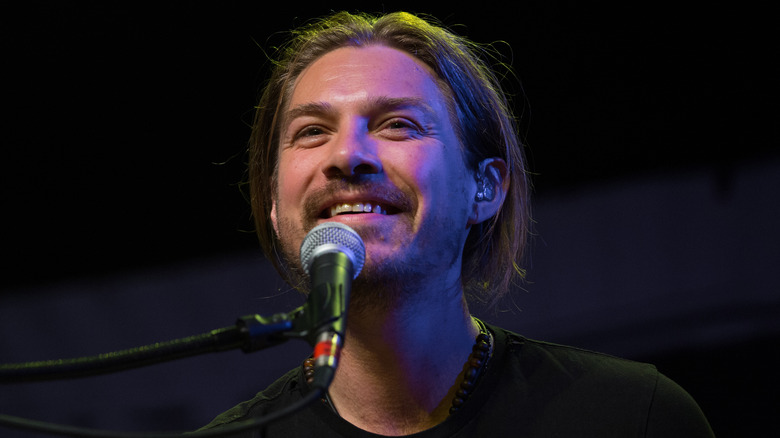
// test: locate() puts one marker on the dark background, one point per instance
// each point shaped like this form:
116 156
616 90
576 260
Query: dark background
651 134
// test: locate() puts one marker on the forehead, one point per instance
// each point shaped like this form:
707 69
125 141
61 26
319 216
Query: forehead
351 74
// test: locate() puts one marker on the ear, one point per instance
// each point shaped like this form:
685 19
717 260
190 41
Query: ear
492 177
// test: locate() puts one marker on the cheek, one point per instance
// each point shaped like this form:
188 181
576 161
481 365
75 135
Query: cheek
413 172
449 173
442 182
292 178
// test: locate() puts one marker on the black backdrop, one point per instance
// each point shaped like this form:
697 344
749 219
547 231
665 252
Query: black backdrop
124 128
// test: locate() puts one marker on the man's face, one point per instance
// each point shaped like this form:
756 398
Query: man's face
367 140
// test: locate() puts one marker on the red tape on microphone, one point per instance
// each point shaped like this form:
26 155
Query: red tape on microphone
326 352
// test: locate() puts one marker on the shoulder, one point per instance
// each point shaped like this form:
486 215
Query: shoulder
674 412
539 359
276 394
594 389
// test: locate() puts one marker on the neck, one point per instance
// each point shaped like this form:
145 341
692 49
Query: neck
401 364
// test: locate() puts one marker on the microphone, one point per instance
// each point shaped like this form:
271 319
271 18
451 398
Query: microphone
332 255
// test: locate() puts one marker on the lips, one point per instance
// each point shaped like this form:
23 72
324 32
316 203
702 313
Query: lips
340 198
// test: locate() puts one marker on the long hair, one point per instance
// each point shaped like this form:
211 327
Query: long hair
480 109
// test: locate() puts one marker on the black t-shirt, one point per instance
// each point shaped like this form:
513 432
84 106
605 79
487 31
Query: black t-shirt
529 389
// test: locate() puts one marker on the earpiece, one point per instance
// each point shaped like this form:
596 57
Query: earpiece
484 188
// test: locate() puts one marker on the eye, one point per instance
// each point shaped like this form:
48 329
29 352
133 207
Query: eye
310 131
400 129
401 124
310 136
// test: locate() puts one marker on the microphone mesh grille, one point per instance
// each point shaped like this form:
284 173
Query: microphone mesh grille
337 237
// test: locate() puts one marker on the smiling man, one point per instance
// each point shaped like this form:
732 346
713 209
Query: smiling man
395 127
368 141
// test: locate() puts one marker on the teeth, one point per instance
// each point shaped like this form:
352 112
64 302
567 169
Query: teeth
358 207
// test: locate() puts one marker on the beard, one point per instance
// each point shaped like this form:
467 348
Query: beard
392 274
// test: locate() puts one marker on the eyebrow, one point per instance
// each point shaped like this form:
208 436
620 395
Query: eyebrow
308 109
379 103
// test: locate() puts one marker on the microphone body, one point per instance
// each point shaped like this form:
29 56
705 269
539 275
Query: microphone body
332 254
331 277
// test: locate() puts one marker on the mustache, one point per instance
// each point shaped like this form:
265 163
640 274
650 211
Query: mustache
388 195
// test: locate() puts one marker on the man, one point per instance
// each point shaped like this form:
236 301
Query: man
394 126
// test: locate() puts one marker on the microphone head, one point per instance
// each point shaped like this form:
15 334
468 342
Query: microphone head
333 237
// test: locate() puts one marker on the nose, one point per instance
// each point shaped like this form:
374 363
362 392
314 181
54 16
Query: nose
352 154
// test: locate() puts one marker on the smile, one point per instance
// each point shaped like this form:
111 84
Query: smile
356 208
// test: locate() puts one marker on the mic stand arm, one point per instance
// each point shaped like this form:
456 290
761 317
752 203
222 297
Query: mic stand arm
250 333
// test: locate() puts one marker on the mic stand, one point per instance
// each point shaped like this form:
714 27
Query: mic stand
250 333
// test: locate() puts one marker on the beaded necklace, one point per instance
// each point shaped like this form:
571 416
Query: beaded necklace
474 367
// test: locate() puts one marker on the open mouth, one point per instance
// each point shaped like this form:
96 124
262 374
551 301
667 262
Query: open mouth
357 208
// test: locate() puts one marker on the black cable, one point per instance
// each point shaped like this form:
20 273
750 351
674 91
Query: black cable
241 426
